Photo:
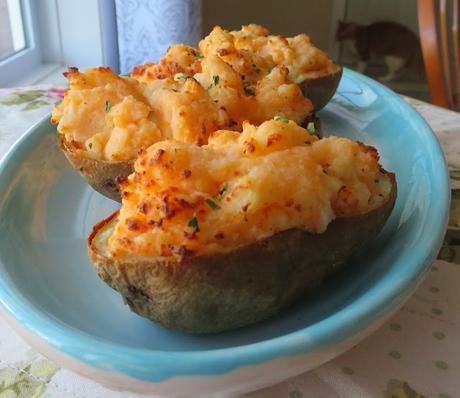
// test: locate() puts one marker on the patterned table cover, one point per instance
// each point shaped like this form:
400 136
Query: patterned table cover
415 354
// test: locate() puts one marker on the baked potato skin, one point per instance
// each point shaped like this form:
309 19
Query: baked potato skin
214 293
102 175
321 89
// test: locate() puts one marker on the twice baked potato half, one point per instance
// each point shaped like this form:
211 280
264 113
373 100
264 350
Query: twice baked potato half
106 119
244 60
217 237
223 291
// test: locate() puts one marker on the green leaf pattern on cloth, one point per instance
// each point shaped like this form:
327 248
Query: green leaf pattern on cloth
27 379
401 389
32 99
450 250
295 394
34 105
18 98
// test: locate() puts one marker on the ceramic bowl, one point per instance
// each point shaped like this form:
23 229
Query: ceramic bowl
52 296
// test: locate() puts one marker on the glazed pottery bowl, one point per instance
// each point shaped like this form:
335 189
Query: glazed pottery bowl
52 296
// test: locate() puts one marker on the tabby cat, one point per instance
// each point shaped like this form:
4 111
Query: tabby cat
396 44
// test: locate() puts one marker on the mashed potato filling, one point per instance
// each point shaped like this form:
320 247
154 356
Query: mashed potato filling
104 116
109 117
249 73
183 109
179 58
253 52
190 93
184 200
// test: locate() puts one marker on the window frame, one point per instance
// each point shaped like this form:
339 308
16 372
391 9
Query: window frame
23 62
56 39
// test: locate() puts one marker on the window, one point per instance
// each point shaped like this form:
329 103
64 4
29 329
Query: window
39 37
19 44
12 35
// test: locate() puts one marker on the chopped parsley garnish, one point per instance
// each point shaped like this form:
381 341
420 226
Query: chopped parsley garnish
279 118
197 54
90 145
184 76
193 222
108 105
213 205
311 127
256 69
221 192
269 70
247 88
215 81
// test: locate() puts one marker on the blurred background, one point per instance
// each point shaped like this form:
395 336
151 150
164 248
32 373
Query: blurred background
39 39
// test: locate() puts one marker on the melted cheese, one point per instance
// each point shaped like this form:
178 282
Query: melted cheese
250 74
253 52
240 188
234 76
110 117
183 109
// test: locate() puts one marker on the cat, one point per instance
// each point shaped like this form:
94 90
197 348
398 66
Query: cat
396 44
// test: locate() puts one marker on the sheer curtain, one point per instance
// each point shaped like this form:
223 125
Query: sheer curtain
147 28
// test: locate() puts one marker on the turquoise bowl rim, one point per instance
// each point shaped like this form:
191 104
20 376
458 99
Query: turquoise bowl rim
379 300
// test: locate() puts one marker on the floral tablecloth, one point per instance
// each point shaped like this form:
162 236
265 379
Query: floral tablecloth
415 354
